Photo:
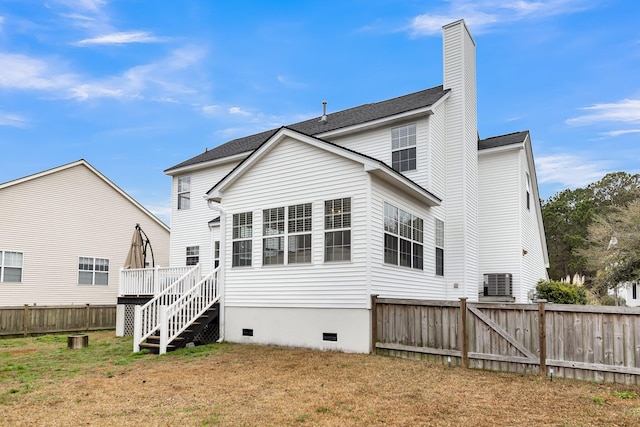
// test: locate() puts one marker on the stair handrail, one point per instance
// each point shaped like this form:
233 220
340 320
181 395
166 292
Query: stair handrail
188 308
147 316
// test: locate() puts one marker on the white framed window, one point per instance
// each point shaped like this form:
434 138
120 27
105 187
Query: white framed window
216 254
337 225
273 231
242 233
93 271
403 238
299 229
11 266
184 192
294 239
439 247
528 194
192 255
403 148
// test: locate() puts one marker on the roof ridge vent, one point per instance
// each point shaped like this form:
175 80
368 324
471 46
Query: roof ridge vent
323 119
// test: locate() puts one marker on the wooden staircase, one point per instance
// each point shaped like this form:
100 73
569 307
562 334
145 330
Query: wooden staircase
187 336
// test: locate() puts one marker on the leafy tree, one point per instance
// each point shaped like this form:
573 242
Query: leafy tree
568 214
561 293
613 249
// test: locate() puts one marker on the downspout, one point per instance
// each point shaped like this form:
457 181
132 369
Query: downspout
213 205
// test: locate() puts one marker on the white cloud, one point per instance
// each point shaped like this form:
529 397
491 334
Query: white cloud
626 110
13 120
211 110
614 133
87 5
569 170
121 38
238 111
22 72
482 14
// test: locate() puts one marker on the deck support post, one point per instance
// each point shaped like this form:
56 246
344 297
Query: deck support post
164 329
137 328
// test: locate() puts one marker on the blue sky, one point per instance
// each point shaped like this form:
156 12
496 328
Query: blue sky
135 87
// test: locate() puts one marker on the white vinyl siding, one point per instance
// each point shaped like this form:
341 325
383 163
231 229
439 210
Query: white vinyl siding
312 176
93 271
191 227
92 219
11 266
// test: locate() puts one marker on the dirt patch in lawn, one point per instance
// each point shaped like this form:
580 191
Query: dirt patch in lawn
253 385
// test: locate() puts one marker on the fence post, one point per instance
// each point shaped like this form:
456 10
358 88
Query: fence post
542 334
25 320
87 317
374 322
463 332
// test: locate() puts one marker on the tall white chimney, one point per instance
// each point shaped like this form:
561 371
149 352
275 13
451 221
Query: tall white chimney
461 199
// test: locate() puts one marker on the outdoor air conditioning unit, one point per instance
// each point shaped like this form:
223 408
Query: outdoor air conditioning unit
498 284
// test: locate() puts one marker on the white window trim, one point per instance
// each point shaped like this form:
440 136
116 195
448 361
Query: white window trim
439 245
3 266
194 254
337 229
246 227
412 131
182 191
93 271
398 236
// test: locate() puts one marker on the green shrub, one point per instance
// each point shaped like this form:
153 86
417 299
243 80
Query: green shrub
610 300
561 293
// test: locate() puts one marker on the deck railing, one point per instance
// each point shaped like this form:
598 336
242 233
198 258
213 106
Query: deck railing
178 316
147 317
149 281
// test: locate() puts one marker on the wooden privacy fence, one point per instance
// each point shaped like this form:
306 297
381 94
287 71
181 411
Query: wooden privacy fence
571 341
52 319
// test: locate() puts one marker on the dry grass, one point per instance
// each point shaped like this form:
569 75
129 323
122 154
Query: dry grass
250 385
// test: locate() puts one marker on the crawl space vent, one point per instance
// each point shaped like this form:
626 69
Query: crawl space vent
247 332
329 336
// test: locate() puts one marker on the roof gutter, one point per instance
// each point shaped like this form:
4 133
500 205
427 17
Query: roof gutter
202 165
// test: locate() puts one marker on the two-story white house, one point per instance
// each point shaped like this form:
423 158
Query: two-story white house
398 198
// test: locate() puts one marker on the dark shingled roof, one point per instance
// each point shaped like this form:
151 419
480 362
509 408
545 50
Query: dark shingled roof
341 119
502 140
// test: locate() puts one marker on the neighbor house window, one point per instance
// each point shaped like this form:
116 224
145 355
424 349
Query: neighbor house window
299 229
337 225
528 192
216 254
634 291
241 235
93 271
403 148
193 255
10 266
184 192
403 238
439 248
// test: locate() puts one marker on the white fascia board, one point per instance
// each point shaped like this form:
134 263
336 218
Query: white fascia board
504 148
425 111
45 173
534 184
403 185
210 163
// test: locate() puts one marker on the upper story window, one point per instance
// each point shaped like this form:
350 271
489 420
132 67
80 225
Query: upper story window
337 218
528 192
439 247
241 236
10 266
193 255
403 238
403 148
184 192
93 271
